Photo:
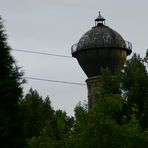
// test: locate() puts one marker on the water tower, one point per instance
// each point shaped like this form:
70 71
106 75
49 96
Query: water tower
99 47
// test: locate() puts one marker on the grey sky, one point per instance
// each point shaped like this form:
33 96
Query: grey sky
53 26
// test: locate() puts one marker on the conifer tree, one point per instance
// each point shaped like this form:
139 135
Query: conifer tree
10 92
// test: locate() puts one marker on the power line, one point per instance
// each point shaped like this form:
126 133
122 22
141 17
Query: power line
48 80
42 53
55 81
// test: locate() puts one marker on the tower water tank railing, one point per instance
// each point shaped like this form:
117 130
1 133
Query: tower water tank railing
127 45
74 47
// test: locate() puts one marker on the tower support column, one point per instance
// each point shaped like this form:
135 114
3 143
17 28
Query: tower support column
93 85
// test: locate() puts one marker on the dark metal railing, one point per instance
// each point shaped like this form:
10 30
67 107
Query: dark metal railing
74 47
126 44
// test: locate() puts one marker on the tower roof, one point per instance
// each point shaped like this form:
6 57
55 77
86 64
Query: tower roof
102 36
100 18
99 37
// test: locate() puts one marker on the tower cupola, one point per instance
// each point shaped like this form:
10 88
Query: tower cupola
99 20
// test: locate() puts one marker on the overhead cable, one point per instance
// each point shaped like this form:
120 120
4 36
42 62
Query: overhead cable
43 53
55 81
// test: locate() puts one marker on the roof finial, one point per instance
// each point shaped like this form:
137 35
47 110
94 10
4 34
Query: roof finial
100 19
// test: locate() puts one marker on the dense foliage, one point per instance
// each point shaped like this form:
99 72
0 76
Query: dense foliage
119 118
41 125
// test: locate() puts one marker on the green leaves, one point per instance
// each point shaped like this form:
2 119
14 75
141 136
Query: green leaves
134 84
34 113
42 126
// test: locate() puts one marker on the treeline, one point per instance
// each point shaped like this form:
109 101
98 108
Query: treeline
119 118
41 125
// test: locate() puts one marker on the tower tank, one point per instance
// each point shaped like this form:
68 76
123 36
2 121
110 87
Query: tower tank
100 47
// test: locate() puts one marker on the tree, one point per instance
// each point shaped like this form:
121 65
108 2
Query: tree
34 113
98 127
135 87
42 126
10 92
55 132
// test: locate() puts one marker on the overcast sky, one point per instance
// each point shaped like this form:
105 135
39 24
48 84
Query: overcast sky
53 26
